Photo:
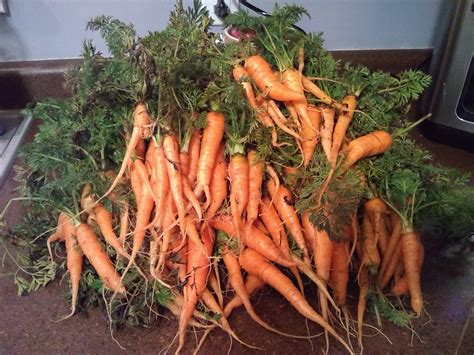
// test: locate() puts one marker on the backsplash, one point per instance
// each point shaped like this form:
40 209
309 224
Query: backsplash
47 29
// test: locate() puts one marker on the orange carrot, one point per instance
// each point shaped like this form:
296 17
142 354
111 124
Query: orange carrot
58 234
145 204
326 130
371 256
392 242
211 138
168 217
124 222
141 129
391 266
310 134
161 180
184 163
320 94
263 76
256 172
256 239
103 218
255 264
363 292
283 201
339 275
198 263
274 225
322 260
189 194
290 107
279 119
375 208
66 231
211 303
292 79
218 185
290 175
366 146
252 285
239 188
90 245
309 232
237 282
140 149
240 74
173 167
343 121
411 251
400 287
194 148
74 261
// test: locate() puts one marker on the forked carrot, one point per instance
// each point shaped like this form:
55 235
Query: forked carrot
375 209
90 245
74 258
173 167
371 256
320 94
366 146
283 201
252 284
240 74
237 282
255 264
279 119
327 126
263 76
141 129
58 233
292 79
343 121
145 204
310 134
211 139
103 218
218 185
274 225
168 232
198 263
256 239
400 287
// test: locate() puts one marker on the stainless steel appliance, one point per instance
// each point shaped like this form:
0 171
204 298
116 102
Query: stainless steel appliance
452 97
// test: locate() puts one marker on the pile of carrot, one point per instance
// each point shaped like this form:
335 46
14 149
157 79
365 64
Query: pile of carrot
195 207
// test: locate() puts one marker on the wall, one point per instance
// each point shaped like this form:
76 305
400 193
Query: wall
45 29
